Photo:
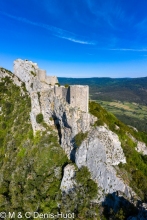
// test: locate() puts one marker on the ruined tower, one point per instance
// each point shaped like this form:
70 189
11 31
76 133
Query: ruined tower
79 97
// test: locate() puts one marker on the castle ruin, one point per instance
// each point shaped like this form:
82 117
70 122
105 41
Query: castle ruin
51 80
75 95
29 72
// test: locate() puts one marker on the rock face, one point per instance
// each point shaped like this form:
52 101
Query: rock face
100 152
44 99
141 147
68 182
34 78
69 121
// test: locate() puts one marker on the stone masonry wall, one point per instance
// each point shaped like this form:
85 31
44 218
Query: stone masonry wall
52 80
58 91
79 97
62 92
41 75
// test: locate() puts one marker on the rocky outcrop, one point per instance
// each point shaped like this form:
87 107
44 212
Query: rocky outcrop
54 109
141 147
28 73
100 152
68 183
68 120
4 73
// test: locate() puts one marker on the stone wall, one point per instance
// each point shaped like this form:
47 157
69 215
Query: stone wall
79 97
58 91
42 75
66 94
62 92
51 80
76 95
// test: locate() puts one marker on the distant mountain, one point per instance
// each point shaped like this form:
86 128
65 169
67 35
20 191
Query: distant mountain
109 89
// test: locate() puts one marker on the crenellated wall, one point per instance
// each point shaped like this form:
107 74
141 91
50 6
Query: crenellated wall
51 80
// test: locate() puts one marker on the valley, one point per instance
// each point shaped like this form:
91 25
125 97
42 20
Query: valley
132 114
126 98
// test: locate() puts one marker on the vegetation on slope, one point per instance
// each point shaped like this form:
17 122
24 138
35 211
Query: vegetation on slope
129 113
136 167
31 167
80 137
78 201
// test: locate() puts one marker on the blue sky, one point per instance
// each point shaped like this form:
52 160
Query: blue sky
76 38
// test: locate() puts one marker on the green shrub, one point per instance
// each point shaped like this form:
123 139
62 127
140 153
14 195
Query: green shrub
9 107
38 93
82 175
80 137
4 125
58 84
34 74
66 85
39 118
24 86
51 118
79 200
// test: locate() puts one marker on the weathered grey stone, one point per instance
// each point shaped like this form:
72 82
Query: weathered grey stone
141 147
100 152
68 182
79 96
34 78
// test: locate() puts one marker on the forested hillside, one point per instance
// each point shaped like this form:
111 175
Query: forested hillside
123 89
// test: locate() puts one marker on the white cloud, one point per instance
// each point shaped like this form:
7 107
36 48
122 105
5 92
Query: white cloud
130 49
76 40
58 32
